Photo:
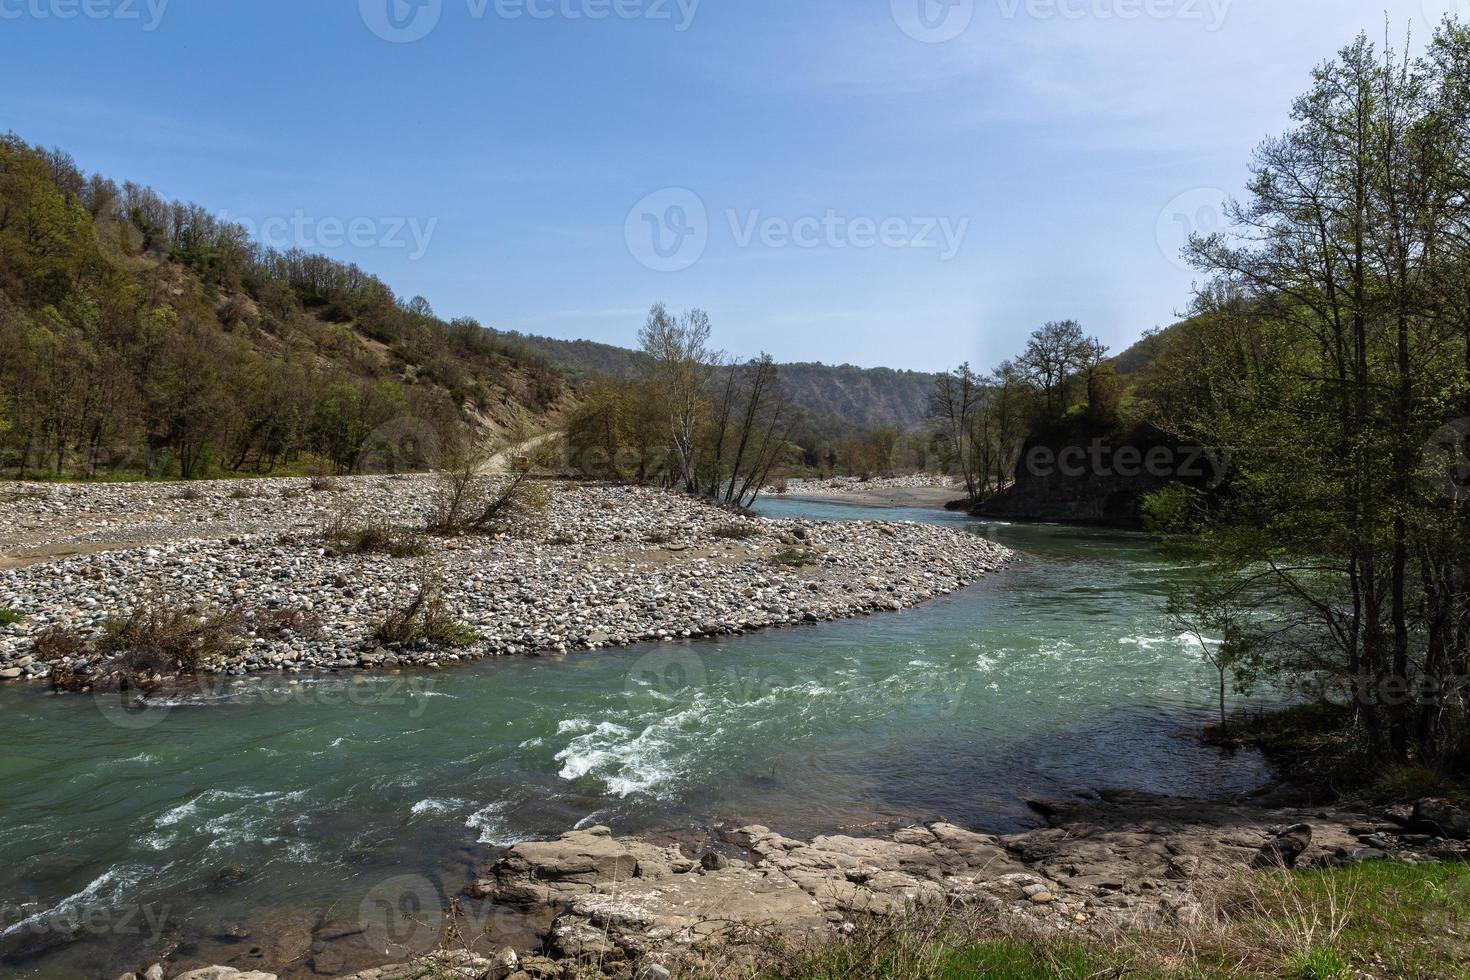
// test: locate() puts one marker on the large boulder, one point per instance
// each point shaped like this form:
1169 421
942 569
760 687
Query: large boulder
554 873
1441 818
1284 848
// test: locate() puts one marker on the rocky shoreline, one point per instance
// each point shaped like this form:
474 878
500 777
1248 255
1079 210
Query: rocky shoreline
610 566
1110 863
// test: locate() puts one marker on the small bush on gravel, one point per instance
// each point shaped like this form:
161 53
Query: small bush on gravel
736 531
273 624
374 538
658 537
57 643
325 484
426 620
793 558
9 617
468 503
158 637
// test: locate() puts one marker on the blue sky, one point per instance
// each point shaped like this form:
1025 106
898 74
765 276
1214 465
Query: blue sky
900 182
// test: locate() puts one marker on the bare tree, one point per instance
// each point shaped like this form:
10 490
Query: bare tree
679 350
953 405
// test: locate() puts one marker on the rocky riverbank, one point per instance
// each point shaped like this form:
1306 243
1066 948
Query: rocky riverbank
1117 862
924 490
608 566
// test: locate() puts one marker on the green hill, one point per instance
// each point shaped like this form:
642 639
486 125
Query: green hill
141 335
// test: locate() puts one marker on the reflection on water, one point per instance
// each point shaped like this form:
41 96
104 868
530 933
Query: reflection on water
1055 676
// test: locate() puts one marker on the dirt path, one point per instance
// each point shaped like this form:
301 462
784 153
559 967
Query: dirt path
501 461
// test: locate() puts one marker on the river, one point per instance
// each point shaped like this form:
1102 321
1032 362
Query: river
254 806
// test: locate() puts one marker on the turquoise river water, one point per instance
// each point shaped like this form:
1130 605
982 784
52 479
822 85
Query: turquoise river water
218 823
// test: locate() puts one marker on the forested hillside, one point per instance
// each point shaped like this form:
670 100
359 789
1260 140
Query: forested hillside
839 397
142 336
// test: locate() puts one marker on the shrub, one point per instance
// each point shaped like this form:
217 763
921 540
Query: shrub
374 538
426 620
58 643
9 617
466 502
325 484
737 531
273 624
793 558
158 637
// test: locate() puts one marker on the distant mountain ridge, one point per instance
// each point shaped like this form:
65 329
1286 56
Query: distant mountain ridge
864 398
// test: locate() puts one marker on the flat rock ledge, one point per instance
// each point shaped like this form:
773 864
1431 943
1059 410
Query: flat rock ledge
1121 861
610 566
1117 861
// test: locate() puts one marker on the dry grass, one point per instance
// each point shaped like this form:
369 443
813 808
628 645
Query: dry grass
347 537
1389 920
55 643
737 531
276 624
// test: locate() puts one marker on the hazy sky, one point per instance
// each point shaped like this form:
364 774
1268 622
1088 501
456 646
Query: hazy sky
901 182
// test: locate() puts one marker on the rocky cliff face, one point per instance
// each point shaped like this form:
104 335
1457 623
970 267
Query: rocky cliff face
1100 478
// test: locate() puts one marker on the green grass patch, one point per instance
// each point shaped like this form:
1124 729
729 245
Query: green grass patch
9 617
1385 919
